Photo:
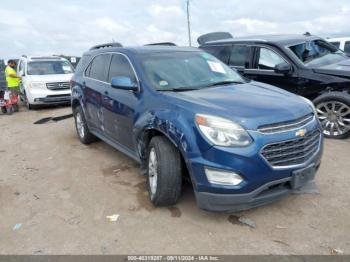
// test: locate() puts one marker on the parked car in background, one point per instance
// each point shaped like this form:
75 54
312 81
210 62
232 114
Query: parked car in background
342 43
45 80
181 111
303 64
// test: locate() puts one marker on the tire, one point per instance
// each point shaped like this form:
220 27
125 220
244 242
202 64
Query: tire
28 105
15 108
9 110
82 128
4 110
333 110
164 172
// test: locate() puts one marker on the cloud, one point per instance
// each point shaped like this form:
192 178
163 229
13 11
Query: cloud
72 26
109 25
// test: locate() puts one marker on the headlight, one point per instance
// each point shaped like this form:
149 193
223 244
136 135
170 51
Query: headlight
37 85
222 132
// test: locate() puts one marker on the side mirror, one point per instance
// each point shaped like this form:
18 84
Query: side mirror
124 83
283 68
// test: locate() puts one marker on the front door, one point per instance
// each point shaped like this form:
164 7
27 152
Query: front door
263 66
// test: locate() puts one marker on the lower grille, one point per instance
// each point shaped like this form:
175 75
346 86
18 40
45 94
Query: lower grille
58 85
292 152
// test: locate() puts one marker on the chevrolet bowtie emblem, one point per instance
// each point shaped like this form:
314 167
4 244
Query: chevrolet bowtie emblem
301 132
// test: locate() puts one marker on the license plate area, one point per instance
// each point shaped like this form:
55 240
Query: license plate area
302 176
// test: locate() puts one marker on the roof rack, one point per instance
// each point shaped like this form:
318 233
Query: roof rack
162 43
114 44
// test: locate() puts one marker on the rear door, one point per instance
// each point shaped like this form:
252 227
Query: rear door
119 105
265 60
221 52
240 57
94 86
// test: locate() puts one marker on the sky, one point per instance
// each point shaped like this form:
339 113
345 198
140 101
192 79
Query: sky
70 27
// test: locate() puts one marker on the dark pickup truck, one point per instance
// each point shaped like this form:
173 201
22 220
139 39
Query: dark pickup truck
303 64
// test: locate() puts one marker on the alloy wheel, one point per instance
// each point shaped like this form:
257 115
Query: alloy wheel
334 117
80 125
153 171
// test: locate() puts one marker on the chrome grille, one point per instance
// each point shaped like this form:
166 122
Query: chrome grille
58 85
287 125
292 152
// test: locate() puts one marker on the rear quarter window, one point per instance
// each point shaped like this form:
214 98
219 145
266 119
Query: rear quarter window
347 47
84 61
220 52
336 44
239 55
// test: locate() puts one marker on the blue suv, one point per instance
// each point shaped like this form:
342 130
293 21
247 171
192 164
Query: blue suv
181 112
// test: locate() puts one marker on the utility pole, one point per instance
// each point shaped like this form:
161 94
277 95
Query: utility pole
189 23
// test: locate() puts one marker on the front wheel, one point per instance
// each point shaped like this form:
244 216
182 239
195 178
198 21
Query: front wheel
333 111
164 171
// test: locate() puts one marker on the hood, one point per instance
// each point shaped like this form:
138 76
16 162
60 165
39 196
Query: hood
49 78
251 105
341 69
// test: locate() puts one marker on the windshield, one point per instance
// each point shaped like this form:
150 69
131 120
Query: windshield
49 68
186 70
318 53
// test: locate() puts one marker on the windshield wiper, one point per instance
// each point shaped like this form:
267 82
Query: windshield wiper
179 89
224 83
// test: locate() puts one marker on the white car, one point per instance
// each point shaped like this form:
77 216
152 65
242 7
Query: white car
343 43
45 80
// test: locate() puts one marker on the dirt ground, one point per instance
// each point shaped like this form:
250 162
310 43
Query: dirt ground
55 194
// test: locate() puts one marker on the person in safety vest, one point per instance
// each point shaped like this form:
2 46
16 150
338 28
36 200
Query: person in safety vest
12 79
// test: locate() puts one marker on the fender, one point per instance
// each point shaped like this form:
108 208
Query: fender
175 127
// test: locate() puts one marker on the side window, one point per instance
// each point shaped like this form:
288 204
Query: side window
120 66
239 55
83 62
347 47
268 59
99 67
220 52
336 44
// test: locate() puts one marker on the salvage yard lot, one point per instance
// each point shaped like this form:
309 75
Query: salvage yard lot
60 192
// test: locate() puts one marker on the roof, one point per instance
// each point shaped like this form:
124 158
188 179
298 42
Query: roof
40 58
277 39
144 49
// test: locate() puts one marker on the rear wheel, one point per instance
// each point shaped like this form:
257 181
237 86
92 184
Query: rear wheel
164 172
82 128
333 110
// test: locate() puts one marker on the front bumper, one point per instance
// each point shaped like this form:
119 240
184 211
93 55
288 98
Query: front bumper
266 194
46 96
62 99
262 183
